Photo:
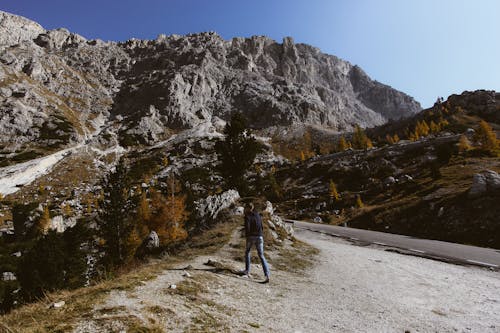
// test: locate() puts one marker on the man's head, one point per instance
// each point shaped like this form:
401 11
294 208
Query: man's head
249 207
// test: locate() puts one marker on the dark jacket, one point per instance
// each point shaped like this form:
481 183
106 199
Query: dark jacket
253 224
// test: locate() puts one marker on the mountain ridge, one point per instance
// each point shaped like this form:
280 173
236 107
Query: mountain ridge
150 87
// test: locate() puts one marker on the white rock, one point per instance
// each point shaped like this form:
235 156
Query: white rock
57 305
8 276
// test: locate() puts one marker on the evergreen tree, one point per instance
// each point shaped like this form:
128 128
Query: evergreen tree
274 191
56 261
237 152
115 222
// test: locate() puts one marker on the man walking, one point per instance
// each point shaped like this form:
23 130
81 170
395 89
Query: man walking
253 234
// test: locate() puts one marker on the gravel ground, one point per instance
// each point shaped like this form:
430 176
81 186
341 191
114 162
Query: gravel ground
348 289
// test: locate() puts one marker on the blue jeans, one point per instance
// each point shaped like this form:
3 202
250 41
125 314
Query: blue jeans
259 244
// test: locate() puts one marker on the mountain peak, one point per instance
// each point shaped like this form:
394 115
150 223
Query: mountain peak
15 29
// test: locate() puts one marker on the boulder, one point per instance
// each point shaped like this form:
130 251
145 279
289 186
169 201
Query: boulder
152 241
8 276
389 181
485 182
212 205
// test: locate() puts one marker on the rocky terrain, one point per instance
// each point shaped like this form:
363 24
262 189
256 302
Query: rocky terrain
57 88
443 185
334 145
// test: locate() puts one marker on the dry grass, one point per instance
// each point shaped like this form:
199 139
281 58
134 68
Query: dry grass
38 317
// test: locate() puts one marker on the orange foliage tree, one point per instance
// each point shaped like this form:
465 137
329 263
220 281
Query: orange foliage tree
164 214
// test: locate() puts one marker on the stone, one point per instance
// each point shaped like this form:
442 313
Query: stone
317 219
240 210
57 305
212 205
389 181
172 286
487 181
8 276
152 241
271 225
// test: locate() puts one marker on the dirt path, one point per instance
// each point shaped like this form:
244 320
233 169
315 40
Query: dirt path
348 289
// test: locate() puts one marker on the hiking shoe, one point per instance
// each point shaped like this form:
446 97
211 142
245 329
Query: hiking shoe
266 280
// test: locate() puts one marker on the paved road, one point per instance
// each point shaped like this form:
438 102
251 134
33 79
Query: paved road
456 253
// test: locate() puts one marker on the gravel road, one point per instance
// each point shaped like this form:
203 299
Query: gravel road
348 289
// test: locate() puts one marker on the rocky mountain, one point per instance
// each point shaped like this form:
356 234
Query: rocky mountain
58 88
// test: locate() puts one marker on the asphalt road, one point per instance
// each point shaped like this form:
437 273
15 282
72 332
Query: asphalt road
450 252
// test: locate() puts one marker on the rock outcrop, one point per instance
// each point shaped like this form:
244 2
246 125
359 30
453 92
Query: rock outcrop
486 182
57 88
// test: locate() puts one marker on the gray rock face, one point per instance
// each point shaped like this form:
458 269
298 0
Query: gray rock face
486 182
57 83
15 29
211 206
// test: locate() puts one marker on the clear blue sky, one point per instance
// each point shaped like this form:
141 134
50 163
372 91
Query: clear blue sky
426 48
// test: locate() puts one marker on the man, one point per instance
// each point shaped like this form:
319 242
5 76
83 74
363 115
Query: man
253 234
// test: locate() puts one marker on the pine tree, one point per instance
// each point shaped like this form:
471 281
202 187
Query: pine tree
334 194
237 152
115 222
389 139
395 138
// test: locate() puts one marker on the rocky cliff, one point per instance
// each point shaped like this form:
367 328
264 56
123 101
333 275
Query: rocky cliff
57 88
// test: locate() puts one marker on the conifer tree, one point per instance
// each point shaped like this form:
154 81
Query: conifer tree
389 139
395 138
237 152
424 128
168 216
359 202
486 137
463 144
434 127
115 222
342 144
334 194
43 223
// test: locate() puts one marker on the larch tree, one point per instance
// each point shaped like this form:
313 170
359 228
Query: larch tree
486 137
